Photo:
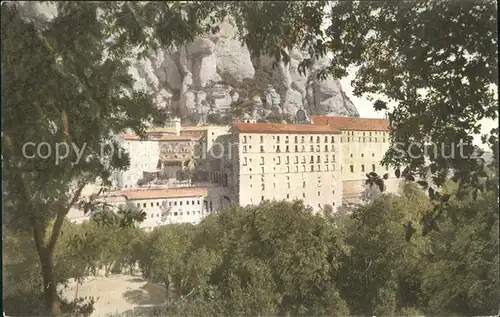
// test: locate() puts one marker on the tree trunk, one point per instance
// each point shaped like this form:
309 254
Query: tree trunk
49 284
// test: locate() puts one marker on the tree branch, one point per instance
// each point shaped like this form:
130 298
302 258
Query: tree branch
61 214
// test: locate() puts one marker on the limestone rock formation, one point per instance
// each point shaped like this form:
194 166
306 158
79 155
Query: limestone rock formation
215 74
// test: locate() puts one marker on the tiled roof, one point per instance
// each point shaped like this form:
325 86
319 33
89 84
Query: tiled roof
283 128
352 123
133 137
177 138
130 137
158 193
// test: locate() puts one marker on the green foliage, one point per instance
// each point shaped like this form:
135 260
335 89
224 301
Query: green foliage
410 48
462 274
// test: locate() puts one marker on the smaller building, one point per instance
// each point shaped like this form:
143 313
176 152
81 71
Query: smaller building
165 205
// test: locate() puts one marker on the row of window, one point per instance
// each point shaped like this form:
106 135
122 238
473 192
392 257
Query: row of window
175 214
262 198
170 203
303 169
263 186
286 138
277 160
362 140
351 167
369 133
362 155
277 148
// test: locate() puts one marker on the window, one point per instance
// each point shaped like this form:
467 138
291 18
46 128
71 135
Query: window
387 167
348 139
296 160
244 139
362 155
287 161
312 159
245 161
303 168
326 166
296 139
373 154
317 139
303 148
370 139
175 203
144 205
318 159
278 139
286 139
296 148
261 160
304 195
326 148
319 168
312 148
278 160
362 168
288 169
350 155
296 168
138 205
187 202
262 187
312 168
288 185
373 167
319 193
261 149
318 149
169 203
311 139
244 148
262 169
198 202
287 149
262 198
351 168
370 134
175 213
326 158
383 140
287 196
274 184
278 149
302 139
303 184
375 139
333 139
261 139
180 203
326 139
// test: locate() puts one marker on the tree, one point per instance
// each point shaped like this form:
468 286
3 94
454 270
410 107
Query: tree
69 87
439 72
276 259
461 277
379 272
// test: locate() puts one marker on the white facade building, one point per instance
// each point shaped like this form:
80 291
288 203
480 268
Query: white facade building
144 157
165 205
287 162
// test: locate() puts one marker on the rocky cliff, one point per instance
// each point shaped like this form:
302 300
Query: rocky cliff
215 74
